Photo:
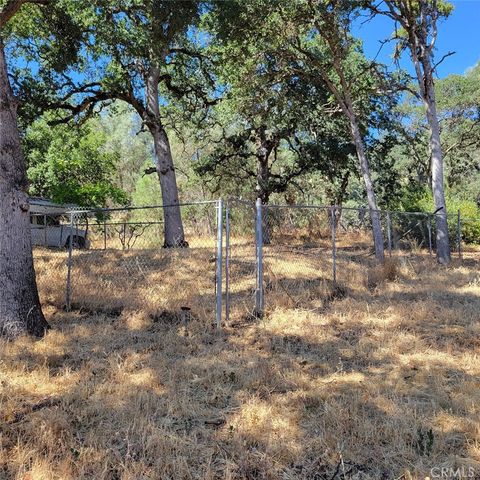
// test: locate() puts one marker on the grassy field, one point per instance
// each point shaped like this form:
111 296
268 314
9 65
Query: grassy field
376 380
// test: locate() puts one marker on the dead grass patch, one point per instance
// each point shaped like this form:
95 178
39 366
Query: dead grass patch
367 384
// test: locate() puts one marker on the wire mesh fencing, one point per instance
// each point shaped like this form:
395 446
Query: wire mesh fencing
240 261
352 245
248 257
410 232
297 256
123 262
303 256
49 235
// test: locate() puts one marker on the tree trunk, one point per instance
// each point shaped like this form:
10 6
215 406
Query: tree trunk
266 219
20 309
173 226
263 175
442 240
372 201
345 101
419 20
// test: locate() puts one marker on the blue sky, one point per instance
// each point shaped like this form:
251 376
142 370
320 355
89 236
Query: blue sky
460 33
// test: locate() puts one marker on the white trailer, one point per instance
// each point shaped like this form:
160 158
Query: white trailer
50 226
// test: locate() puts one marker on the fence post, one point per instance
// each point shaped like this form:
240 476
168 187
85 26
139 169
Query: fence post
68 294
389 233
219 263
429 228
227 262
334 244
459 235
105 234
259 299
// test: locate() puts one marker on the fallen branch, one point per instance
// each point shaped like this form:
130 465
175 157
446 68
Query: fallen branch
45 403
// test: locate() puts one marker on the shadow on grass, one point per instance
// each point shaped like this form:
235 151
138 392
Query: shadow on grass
263 404
330 394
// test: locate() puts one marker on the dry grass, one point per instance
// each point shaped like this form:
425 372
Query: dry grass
376 379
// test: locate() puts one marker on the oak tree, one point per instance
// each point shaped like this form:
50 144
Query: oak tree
416 30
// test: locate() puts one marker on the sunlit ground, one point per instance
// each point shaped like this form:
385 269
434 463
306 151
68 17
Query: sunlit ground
376 378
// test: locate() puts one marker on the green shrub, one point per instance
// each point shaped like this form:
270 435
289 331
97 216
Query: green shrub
470 219
469 212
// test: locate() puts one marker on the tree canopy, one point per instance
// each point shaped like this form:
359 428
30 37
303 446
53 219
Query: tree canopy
71 164
270 99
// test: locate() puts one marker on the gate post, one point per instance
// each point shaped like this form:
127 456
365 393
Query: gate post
219 264
68 294
227 262
334 244
389 233
259 297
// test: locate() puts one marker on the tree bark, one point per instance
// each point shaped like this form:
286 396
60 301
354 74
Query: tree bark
367 179
264 195
262 179
419 20
9 9
443 242
173 226
346 104
20 309
428 94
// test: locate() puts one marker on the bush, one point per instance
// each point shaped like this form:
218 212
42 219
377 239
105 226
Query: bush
469 212
470 220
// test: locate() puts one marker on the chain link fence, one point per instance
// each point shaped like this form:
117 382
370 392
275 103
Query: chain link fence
117 261
272 256
240 261
50 239
297 259
303 256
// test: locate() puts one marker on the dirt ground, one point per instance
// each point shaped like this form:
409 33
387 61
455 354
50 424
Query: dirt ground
377 378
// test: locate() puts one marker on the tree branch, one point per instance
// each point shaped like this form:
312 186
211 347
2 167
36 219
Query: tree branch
449 54
11 7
